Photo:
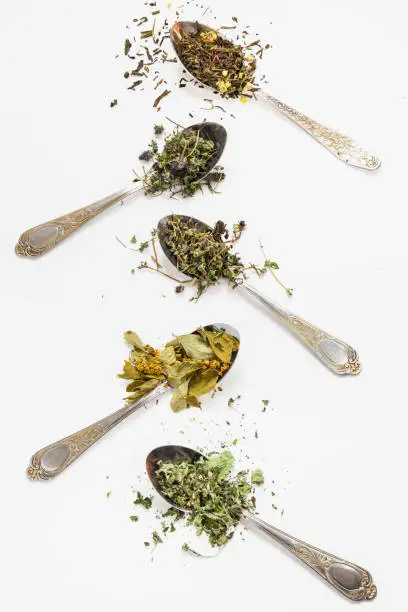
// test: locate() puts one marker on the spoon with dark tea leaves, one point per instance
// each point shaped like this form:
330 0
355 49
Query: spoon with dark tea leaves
53 459
340 357
42 238
208 58
349 579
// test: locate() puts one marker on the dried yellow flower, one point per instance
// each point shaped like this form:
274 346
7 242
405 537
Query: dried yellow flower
225 73
244 99
208 37
223 86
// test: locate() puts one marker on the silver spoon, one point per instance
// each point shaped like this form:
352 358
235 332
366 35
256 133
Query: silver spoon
340 145
42 238
53 459
340 357
349 579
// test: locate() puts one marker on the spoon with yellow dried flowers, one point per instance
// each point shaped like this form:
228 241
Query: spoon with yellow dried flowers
215 502
206 255
187 162
190 364
216 62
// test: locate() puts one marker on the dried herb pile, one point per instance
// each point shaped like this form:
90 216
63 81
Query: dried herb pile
207 255
215 501
148 53
191 364
219 63
181 165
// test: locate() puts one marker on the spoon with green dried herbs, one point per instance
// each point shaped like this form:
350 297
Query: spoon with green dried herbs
191 365
206 255
229 68
215 502
187 163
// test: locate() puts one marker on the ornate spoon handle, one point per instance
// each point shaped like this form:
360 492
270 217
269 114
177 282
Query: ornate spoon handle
53 459
340 145
340 357
41 238
351 580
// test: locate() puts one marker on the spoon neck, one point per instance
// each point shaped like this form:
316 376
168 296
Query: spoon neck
284 538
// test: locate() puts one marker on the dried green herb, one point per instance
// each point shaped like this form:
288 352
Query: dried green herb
127 46
257 477
214 500
134 518
156 538
218 62
180 166
158 129
191 364
146 502
206 256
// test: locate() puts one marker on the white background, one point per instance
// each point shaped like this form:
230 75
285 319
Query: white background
334 446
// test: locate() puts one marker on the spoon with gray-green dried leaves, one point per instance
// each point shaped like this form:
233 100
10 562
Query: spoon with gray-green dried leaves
191 365
197 260
187 162
351 580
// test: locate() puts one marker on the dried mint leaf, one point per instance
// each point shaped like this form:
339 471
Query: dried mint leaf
257 477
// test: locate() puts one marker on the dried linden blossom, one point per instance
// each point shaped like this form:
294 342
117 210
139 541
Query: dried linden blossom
191 364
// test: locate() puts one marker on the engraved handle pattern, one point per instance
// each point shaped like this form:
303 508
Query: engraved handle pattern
340 357
340 145
336 354
53 459
351 580
42 238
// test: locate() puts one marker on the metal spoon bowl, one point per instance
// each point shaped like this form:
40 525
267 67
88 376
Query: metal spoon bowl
349 579
53 459
338 356
164 454
42 238
338 144
165 224
176 34
218 134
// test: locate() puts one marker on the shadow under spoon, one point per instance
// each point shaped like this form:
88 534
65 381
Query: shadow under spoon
351 580
53 459
42 238
339 145
340 357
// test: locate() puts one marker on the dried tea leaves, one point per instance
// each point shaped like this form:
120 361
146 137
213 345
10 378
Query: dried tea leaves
218 62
